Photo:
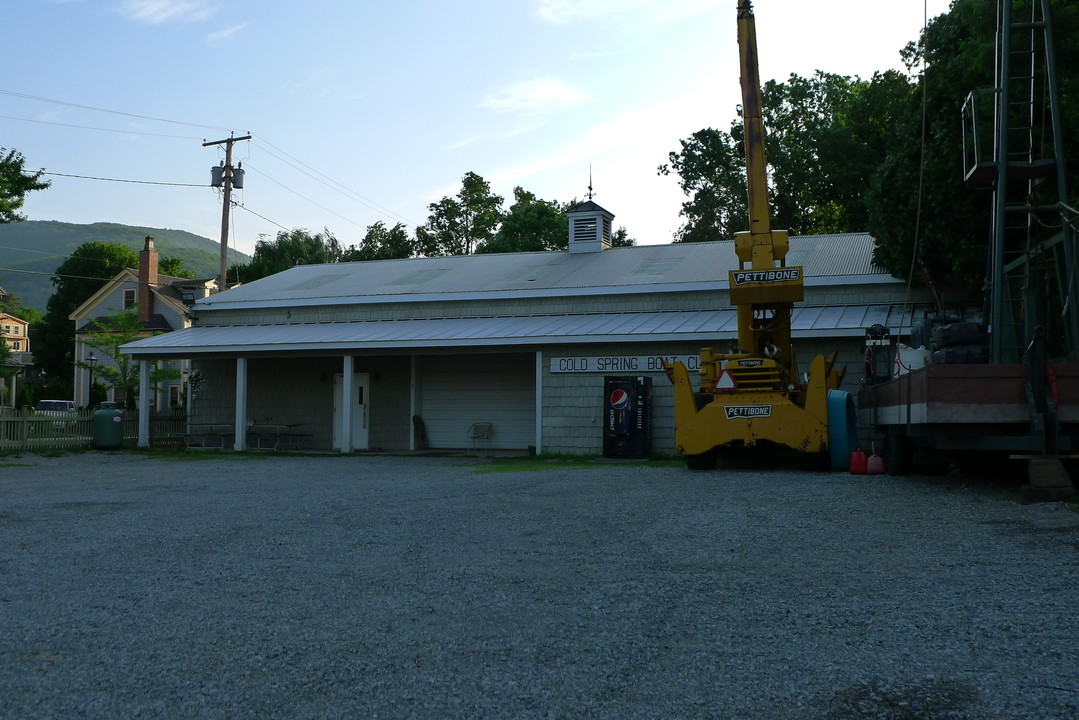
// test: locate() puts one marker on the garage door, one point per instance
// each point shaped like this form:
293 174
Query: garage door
455 391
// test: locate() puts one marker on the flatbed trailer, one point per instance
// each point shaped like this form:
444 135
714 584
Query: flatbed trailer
976 415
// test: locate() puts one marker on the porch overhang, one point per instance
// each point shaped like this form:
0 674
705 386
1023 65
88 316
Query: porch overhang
704 326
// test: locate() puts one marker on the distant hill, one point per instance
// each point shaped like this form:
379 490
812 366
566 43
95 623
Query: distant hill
37 247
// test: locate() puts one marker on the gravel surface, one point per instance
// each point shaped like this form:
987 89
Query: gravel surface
238 586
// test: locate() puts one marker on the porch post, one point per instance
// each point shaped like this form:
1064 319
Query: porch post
144 403
347 379
241 404
412 409
539 401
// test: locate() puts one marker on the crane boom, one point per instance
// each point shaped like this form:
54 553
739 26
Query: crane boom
753 392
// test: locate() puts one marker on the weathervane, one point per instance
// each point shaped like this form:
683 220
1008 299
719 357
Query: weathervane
590 193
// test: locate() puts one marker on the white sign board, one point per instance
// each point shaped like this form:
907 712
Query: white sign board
615 364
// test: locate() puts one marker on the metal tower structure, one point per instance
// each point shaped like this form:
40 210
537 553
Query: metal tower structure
1031 275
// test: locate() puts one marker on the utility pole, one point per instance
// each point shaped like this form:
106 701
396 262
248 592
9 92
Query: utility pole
226 184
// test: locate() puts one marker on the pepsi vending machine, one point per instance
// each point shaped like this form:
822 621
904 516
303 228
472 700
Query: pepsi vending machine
627 431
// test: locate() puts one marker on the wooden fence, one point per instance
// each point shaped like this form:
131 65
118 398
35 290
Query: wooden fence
29 429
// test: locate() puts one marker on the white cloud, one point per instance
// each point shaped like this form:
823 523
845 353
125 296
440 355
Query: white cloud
464 143
561 12
156 12
223 35
533 95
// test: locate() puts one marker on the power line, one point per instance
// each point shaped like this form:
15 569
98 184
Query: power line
88 127
321 207
295 164
135 182
106 110
244 207
333 184
42 272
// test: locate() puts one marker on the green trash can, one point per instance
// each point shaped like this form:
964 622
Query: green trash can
108 428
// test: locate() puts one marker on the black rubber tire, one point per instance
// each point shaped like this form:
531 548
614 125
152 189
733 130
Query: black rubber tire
897 457
704 461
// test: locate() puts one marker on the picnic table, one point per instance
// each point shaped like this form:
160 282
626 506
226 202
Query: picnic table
209 435
269 436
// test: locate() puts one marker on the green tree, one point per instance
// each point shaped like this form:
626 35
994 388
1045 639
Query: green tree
711 173
12 304
825 137
460 225
107 335
530 225
922 212
382 243
15 183
288 249
621 238
828 135
82 274
174 267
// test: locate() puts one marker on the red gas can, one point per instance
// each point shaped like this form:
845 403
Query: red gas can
857 462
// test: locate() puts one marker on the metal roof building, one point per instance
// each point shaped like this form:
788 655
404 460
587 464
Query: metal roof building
427 347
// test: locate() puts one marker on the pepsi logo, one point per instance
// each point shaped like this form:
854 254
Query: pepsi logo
619 399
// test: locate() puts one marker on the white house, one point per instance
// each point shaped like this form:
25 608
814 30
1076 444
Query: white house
164 304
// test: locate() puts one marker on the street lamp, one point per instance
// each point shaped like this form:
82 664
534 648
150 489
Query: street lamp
91 361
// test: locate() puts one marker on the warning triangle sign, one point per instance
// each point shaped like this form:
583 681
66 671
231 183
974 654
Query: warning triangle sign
725 381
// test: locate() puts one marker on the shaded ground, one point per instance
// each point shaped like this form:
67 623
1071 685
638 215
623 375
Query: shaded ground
135 585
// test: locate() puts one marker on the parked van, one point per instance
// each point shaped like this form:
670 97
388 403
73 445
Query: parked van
55 406
64 411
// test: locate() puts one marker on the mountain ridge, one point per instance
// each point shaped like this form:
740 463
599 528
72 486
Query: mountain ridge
32 250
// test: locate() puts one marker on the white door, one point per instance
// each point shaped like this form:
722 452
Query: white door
361 385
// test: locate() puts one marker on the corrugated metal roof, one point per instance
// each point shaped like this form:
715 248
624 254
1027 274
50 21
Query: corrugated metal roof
647 268
701 325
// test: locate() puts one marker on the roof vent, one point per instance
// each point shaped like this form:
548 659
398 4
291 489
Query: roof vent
589 228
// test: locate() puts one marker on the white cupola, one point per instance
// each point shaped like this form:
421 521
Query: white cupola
589 228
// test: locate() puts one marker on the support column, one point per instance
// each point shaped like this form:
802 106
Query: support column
144 403
240 442
413 410
539 401
348 378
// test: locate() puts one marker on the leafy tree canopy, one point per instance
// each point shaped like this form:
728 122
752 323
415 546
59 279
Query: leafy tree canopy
15 183
460 225
288 249
174 267
825 135
946 226
621 238
382 243
82 274
12 304
883 155
530 225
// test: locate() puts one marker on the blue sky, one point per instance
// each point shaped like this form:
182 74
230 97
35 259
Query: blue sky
365 111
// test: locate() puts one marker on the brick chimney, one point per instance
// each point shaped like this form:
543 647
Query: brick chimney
147 279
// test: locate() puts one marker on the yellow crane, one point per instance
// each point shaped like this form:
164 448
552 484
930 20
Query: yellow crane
753 392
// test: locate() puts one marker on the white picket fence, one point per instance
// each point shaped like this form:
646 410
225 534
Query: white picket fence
28 429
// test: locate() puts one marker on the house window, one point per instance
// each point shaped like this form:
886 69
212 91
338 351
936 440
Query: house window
18 345
129 298
174 396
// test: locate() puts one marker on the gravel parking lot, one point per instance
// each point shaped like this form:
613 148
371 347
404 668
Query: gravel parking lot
239 586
